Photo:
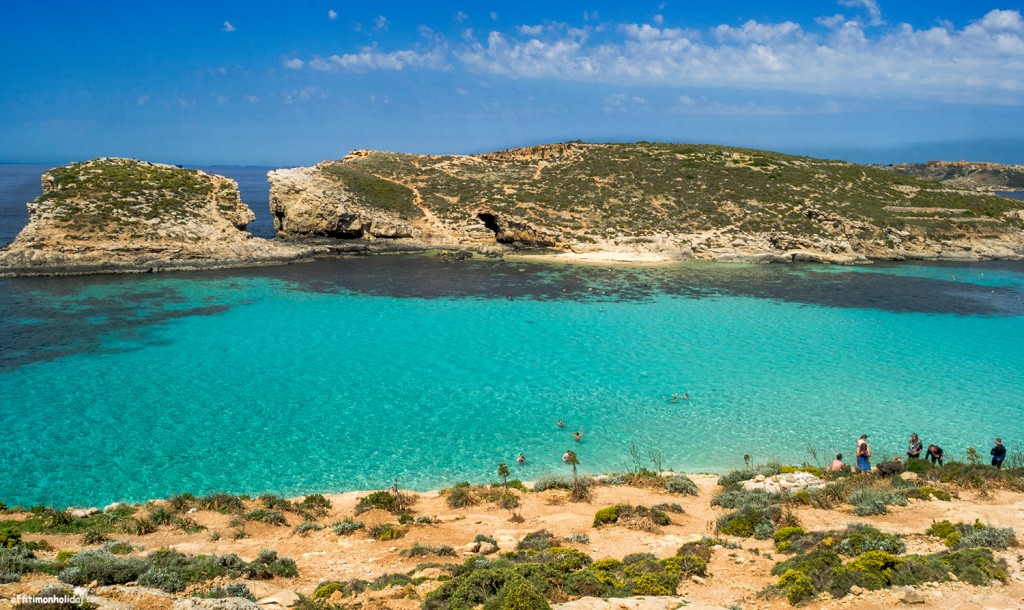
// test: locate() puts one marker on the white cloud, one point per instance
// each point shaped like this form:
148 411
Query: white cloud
982 62
658 20
142 100
871 6
372 58
227 27
381 22
252 99
461 16
494 16
303 95
620 102
332 14
294 63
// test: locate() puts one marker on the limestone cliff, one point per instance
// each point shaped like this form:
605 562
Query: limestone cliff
677 201
125 215
966 174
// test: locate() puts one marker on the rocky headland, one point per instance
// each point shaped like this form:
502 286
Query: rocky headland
125 215
966 174
632 203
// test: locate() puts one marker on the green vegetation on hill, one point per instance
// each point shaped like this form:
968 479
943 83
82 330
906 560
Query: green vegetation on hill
646 188
98 195
374 191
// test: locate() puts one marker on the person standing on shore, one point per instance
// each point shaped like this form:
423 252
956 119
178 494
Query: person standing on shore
935 454
863 454
837 464
914 447
998 454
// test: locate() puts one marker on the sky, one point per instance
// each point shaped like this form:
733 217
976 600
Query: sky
294 83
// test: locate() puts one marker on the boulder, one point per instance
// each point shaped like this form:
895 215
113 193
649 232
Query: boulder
908 595
282 599
224 603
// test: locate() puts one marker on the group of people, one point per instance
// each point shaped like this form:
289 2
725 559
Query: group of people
914 449
577 436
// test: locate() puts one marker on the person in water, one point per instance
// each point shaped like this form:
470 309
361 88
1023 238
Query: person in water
935 454
578 435
521 458
863 454
914 447
837 464
560 424
998 453
567 456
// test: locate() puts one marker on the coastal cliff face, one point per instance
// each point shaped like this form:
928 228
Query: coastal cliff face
665 200
126 215
966 174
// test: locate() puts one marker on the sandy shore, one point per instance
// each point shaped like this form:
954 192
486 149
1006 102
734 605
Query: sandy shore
737 575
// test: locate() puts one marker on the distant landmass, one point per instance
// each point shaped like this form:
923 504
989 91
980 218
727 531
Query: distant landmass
630 202
966 174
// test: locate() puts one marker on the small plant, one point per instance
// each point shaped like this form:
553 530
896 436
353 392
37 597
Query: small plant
347 527
304 528
578 538
460 496
263 515
681 484
384 532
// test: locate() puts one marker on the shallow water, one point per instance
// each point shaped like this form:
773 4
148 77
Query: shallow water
346 374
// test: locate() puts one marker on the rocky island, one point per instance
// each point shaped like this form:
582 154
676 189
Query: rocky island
125 215
631 202
671 201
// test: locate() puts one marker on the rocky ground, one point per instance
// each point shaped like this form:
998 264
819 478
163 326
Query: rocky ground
736 576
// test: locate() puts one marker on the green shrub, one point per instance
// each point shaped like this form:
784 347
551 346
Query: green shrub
859 538
552 481
324 591
263 515
608 514
460 496
348 526
160 515
873 501
182 502
188 525
384 532
119 548
927 493
420 550
94 537
222 503
537 541
783 535
797 586
681 484
237 589
919 466
732 479
687 565
975 566
697 549
651 584
136 527
521 595
392 502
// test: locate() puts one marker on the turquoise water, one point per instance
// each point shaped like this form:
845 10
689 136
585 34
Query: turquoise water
347 374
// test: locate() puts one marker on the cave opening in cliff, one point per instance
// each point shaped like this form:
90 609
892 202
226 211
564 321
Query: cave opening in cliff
491 222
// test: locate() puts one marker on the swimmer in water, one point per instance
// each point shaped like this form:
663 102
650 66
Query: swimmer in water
521 458
675 398
561 424
577 435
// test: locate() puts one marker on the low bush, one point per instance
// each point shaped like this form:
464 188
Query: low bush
237 589
263 515
459 496
873 501
633 517
306 527
681 484
384 531
348 526
420 550
391 501
552 481
221 503
540 540
858 538
925 492
972 535
732 479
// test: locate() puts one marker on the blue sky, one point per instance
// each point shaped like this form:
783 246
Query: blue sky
293 83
